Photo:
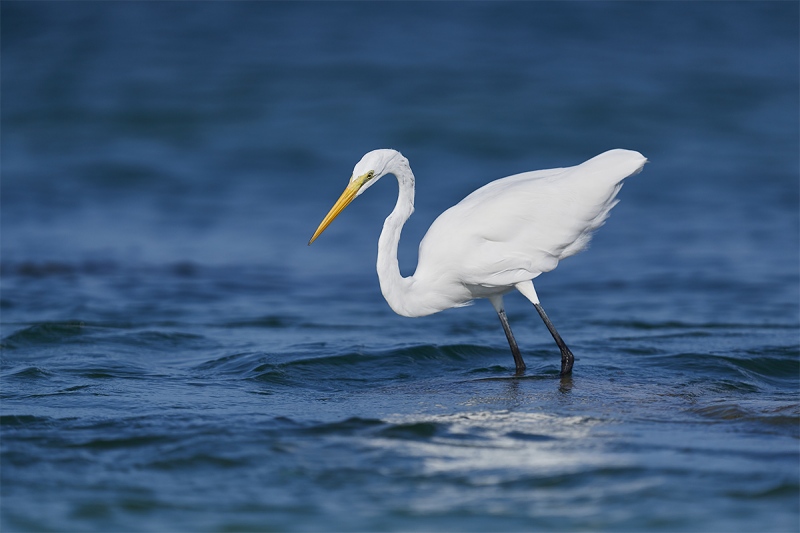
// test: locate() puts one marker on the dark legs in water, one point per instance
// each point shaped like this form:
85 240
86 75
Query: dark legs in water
511 342
567 359
526 288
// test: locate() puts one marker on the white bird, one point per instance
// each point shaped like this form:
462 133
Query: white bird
497 239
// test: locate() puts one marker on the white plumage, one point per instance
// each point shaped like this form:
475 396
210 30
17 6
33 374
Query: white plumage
496 239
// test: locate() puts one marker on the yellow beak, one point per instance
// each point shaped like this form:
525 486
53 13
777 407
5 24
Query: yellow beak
343 201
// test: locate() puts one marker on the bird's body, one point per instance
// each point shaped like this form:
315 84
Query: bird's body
496 239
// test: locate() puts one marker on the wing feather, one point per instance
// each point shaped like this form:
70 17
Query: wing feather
515 228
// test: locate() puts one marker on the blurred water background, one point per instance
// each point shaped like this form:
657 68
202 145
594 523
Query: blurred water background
175 358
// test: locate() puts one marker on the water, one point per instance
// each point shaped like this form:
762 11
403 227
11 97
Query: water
175 358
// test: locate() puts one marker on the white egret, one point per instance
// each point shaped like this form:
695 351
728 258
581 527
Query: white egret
496 239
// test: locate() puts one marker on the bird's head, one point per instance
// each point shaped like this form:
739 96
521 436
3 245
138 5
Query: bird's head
372 167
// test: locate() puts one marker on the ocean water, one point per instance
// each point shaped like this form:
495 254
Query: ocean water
175 358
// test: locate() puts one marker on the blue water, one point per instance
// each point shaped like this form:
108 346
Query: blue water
175 358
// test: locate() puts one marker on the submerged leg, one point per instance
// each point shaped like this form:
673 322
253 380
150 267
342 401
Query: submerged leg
497 303
567 359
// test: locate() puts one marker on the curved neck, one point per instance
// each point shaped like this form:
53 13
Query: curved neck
394 286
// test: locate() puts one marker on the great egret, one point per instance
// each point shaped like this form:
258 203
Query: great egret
496 239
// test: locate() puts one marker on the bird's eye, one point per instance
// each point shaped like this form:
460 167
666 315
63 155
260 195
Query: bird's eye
370 174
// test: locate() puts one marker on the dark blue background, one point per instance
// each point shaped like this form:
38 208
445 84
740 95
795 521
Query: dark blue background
170 342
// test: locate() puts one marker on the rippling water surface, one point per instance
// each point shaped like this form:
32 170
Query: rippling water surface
175 358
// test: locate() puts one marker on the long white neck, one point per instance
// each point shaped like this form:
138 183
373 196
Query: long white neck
395 288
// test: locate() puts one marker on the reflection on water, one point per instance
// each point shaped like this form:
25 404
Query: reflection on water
174 357
506 444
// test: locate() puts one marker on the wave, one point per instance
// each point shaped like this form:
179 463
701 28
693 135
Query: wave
69 332
23 421
45 333
396 363
782 415
767 366
678 324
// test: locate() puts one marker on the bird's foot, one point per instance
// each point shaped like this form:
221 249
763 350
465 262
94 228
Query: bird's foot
567 360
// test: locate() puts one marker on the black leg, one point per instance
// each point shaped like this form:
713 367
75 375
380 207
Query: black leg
567 359
520 364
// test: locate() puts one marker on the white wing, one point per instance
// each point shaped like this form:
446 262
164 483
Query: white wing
515 228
